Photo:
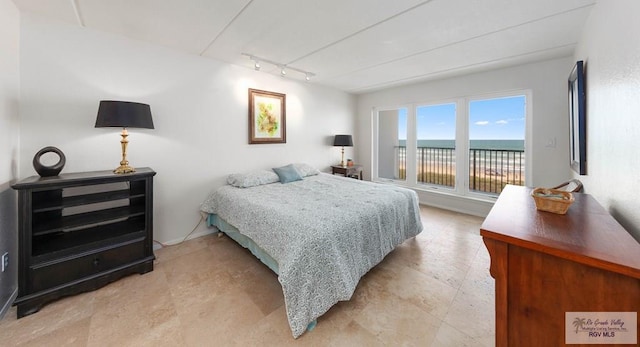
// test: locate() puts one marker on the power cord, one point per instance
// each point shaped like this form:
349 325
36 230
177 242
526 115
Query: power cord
202 217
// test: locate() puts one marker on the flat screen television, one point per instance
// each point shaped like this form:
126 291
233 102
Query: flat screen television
577 119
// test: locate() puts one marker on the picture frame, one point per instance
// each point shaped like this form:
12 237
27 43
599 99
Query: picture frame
267 117
577 119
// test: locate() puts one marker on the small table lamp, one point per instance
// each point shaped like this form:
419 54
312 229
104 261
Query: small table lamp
344 141
124 114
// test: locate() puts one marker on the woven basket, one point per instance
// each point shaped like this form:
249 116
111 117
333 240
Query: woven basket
552 200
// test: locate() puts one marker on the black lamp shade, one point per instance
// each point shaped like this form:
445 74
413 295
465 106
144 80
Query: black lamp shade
124 114
343 140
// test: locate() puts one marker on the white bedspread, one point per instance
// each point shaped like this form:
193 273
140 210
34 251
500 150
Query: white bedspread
325 232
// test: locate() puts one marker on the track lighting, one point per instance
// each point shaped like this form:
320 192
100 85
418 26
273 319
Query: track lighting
284 69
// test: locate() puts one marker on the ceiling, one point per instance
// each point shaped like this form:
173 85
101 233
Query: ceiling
352 45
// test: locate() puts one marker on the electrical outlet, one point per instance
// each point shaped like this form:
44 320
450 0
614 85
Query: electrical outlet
5 261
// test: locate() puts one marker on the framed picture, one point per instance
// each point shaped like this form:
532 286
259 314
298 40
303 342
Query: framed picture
577 119
267 117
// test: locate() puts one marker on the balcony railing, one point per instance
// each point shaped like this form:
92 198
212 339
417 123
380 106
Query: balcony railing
490 170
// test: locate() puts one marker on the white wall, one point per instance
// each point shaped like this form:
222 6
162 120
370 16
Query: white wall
9 147
611 51
199 109
387 142
9 90
547 81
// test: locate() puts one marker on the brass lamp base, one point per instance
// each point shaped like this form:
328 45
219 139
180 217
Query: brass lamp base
124 167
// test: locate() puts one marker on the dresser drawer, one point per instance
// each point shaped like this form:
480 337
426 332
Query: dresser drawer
51 274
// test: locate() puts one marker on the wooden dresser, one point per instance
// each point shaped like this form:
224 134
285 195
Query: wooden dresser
546 265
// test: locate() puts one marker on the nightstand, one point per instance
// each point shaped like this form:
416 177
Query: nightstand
354 171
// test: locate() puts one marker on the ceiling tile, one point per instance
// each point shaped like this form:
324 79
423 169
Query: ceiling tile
429 28
55 9
184 25
285 30
551 38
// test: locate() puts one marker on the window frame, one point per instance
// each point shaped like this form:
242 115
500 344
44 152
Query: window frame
527 136
430 186
461 142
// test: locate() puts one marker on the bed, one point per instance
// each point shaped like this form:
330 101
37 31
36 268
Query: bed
320 233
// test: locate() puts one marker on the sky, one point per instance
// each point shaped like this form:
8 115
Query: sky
489 119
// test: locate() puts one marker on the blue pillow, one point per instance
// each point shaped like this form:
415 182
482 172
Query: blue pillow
287 173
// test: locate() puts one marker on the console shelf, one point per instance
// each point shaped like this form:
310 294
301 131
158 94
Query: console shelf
80 231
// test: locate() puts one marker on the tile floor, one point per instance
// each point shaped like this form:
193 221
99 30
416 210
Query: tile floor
433 290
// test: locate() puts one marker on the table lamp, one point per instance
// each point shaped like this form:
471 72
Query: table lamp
343 141
124 114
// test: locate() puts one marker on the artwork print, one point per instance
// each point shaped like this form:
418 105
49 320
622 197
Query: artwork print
267 117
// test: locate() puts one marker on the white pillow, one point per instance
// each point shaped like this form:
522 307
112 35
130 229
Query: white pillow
252 179
306 169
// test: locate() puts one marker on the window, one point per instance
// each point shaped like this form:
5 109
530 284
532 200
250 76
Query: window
496 143
436 147
468 146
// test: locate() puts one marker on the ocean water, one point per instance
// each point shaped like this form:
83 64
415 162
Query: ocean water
475 144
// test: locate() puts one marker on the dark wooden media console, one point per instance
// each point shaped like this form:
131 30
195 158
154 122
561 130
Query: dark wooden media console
80 231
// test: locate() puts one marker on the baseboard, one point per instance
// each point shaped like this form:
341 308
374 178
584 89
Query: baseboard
462 204
7 305
8 244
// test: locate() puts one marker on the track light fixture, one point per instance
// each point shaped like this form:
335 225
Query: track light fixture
284 69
